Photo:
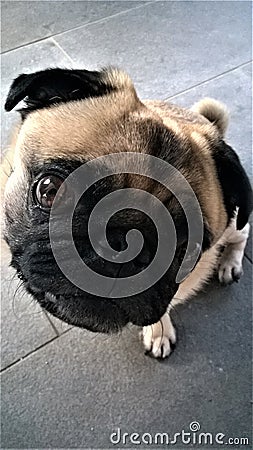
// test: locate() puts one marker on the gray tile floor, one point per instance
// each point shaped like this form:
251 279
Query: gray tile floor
68 388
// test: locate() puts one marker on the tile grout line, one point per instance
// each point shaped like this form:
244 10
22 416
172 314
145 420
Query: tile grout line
9 366
248 258
19 360
208 80
48 318
62 50
103 19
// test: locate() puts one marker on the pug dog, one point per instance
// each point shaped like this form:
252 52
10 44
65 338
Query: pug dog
70 117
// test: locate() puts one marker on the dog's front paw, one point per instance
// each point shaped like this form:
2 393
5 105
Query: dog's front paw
159 338
230 267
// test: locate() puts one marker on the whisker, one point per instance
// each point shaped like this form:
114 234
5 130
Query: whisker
21 293
18 288
10 166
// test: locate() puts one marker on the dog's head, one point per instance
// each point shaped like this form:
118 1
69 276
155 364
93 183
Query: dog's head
76 116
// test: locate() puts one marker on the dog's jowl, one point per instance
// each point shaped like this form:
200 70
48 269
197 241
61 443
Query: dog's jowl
72 118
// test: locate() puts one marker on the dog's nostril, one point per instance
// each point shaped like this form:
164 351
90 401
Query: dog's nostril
116 248
104 248
116 240
144 258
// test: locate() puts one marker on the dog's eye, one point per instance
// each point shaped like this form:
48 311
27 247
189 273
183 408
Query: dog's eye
46 190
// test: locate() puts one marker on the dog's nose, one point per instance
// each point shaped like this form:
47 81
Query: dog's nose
144 258
116 240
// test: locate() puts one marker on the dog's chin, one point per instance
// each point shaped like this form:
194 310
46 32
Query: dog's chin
103 315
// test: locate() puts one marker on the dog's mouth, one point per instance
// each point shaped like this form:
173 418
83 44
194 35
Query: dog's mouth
95 315
84 311
102 314
105 314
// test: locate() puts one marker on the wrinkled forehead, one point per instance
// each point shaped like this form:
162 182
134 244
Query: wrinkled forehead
68 135
61 133
76 130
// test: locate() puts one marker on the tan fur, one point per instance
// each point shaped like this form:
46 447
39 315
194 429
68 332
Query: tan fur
6 168
120 79
201 134
93 127
213 111
77 130
198 277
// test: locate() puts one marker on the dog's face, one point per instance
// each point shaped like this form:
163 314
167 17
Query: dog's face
77 116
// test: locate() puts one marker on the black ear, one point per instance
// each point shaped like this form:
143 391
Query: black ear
237 191
47 87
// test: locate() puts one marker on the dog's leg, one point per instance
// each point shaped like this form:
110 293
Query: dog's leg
159 338
230 264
